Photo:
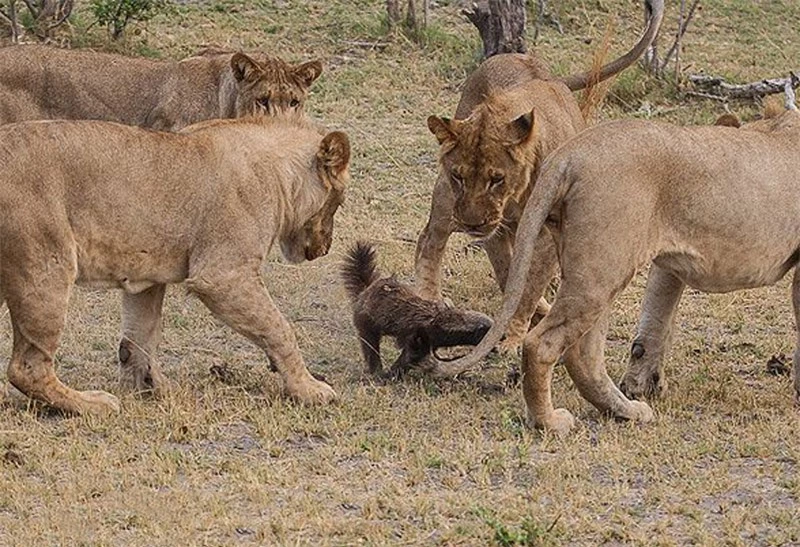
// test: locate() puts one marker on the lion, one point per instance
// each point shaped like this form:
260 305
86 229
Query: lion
716 208
383 306
45 83
491 153
116 206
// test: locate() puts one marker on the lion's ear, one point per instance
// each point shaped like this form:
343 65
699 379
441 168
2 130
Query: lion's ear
728 120
334 152
244 68
445 129
308 72
523 129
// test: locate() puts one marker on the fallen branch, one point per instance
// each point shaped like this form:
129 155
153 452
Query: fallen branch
790 102
715 85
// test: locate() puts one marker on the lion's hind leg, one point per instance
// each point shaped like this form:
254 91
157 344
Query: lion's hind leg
585 364
141 333
38 310
796 306
576 325
645 375
3 380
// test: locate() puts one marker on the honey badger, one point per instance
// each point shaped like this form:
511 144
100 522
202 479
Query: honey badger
383 306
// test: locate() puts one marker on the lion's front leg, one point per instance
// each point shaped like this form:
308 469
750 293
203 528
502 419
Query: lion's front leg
141 333
433 241
499 248
239 298
645 374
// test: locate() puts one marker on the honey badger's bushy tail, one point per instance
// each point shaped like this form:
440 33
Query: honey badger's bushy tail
359 269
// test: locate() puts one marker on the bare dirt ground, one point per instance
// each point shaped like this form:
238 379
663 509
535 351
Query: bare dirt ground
226 461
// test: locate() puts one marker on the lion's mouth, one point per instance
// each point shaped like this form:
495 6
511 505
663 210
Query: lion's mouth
482 230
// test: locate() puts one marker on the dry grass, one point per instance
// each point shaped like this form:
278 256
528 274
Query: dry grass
225 460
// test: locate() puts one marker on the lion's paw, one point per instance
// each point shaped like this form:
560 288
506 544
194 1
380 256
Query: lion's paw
510 346
312 392
97 402
559 422
639 412
152 382
643 386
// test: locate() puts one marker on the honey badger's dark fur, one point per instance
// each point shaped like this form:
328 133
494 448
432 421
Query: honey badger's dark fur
387 307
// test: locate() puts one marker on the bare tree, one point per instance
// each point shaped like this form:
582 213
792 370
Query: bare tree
46 16
545 16
9 16
501 24
412 23
658 66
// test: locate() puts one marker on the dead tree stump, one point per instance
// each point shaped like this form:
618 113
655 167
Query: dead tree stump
501 25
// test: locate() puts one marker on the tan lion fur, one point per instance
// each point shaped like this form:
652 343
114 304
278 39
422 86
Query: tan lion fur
716 208
115 206
511 115
45 83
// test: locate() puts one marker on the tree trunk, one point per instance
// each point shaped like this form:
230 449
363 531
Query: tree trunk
501 24
411 24
10 19
393 12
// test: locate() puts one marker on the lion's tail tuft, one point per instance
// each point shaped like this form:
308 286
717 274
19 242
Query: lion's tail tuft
359 269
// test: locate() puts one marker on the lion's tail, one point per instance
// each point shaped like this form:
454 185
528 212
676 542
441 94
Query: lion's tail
359 269
549 190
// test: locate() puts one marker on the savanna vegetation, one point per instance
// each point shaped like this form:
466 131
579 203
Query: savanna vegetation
225 460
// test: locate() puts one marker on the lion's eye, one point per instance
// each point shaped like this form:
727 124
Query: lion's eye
496 181
264 102
457 180
295 103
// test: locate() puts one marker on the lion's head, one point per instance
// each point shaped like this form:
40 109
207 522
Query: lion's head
489 159
313 239
268 85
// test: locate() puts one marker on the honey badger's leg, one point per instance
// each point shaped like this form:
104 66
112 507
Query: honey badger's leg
415 348
141 333
543 267
238 297
645 374
37 302
369 337
796 306
433 241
